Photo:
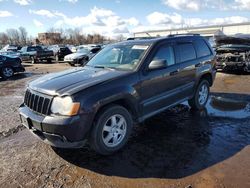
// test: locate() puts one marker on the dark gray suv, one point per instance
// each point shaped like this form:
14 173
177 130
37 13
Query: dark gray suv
125 83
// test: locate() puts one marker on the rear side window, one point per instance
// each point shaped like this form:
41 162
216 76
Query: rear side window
202 48
186 51
165 52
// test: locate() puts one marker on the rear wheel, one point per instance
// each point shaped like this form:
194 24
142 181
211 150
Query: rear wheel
201 96
7 72
111 130
33 60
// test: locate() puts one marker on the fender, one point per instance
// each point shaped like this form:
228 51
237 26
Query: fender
93 103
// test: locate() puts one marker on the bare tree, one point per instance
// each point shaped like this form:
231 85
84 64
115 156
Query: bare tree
23 35
97 38
13 36
120 37
3 38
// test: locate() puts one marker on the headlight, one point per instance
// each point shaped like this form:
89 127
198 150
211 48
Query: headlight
65 106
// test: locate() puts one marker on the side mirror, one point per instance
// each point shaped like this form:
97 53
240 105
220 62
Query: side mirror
157 64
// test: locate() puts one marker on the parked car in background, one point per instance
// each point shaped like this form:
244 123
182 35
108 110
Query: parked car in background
9 47
60 51
72 48
82 56
233 57
37 53
23 57
10 53
9 66
124 84
233 53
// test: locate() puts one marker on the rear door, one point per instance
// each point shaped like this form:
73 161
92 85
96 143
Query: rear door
187 62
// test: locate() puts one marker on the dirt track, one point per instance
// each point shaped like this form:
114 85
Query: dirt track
177 148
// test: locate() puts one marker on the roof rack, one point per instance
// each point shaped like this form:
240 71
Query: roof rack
141 38
184 34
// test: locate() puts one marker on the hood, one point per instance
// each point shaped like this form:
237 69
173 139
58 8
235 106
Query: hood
74 55
240 39
233 48
73 80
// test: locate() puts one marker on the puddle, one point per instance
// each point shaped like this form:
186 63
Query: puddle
224 107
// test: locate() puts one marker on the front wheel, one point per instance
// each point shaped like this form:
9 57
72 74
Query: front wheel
7 72
57 58
111 130
201 96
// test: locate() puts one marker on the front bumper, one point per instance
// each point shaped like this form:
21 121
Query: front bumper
231 65
62 132
19 69
72 61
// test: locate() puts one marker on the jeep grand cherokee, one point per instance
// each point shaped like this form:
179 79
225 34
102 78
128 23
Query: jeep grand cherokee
125 83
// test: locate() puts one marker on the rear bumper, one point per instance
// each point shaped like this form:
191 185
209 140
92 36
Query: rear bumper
62 132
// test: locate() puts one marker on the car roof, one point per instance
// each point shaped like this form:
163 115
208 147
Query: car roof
152 40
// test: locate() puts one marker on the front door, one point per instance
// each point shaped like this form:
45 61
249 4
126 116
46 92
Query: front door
158 86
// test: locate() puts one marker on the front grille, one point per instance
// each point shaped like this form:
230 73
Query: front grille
38 103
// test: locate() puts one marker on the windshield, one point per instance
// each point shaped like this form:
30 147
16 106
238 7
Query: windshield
124 57
82 50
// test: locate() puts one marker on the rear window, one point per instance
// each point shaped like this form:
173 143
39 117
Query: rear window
186 51
201 48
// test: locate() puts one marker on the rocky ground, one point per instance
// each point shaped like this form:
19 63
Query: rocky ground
177 148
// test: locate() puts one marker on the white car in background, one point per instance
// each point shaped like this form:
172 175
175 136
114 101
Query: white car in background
82 56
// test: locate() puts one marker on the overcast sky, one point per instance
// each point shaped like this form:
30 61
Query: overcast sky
114 17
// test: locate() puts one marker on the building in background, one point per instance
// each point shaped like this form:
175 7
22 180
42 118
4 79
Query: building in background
207 31
49 38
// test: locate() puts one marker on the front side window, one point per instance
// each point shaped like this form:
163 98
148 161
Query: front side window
165 52
124 57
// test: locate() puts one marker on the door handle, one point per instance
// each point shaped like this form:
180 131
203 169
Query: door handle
174 72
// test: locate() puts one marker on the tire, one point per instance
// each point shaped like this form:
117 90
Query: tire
7 72
57 58
111 130
199 100
49 60
33 60
82 62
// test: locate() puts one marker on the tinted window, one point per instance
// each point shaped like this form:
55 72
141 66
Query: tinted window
166 53
186 51
31 49
95 50
202 48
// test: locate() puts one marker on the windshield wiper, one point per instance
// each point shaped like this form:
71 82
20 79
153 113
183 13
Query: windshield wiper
103 67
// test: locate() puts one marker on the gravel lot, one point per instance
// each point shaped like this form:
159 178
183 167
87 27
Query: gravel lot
177 148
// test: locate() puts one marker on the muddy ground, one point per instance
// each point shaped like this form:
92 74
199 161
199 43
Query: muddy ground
177 148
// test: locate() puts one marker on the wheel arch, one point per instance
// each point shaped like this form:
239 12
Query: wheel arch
207 76
124 102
